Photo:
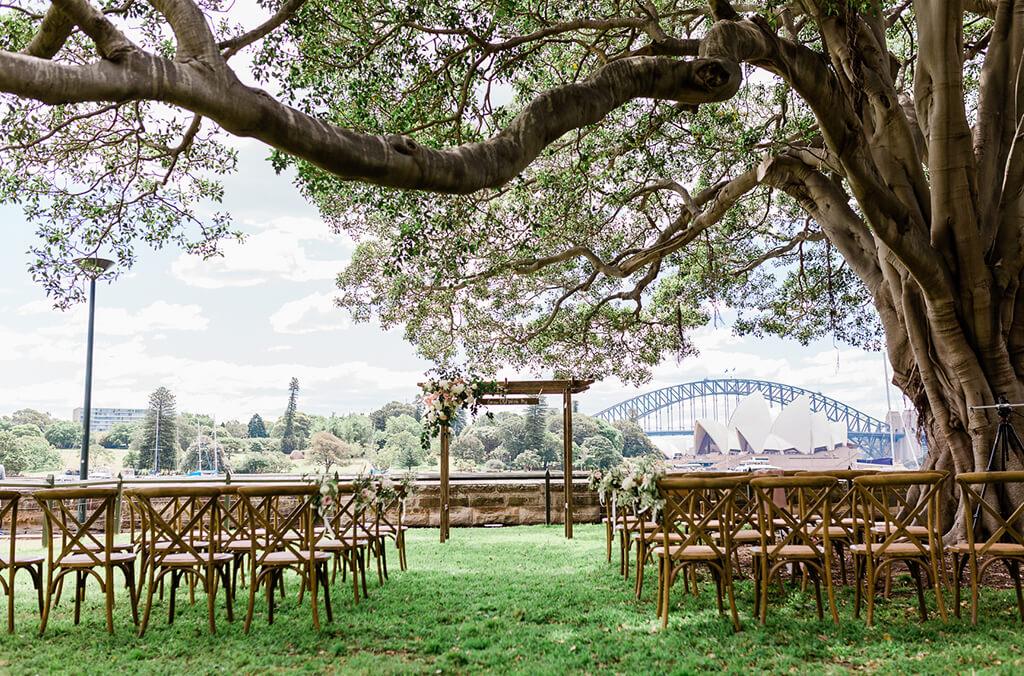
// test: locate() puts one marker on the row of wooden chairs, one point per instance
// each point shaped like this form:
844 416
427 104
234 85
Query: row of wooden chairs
203 536
804 521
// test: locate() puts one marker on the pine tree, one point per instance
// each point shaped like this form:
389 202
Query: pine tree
288 440
535 427
158 447
257 430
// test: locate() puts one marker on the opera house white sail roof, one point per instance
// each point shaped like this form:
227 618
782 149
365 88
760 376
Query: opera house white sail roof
753 429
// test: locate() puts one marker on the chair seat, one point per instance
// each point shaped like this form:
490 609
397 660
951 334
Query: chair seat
904 550
691 553
916 531
287 558
188 559
788 552
88 560
997 549
22 560
93 547
834 533
659 536
239 546
642 526
746 535
340 544
164 545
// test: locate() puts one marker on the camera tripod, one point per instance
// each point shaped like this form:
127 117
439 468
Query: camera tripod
1006 441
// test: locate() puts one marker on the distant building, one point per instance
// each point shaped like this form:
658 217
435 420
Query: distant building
105 418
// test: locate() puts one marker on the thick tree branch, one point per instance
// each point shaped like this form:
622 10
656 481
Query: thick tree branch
395 161
53 32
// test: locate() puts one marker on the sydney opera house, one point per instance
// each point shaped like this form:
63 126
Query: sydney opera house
752 429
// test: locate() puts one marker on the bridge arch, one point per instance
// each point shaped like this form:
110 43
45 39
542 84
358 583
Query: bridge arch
869 432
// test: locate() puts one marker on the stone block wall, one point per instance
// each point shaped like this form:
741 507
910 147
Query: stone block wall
510 503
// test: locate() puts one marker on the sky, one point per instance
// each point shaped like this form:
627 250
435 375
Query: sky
226 335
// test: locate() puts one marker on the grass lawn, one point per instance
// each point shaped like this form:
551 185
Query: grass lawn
522 600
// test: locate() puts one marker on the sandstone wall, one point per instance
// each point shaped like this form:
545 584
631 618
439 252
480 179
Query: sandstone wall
512 503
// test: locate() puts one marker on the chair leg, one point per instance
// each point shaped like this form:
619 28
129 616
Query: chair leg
383 551
271 584
732 602
10 601
640 560
228 593
252 599
173 595
871 581
211 597
915 571
813 575
858 579
79 583
129 581
608 540
1014 567
327 592
957 584
50 593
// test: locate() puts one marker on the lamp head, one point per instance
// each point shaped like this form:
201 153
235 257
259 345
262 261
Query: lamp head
93 266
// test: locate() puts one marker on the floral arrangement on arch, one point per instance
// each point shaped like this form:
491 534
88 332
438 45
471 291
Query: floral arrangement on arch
445 395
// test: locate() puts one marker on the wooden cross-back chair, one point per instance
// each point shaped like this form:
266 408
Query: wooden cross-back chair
791 535
984 511
234 534
181 527
11 561
843 530
345 537
281 521
897 530
647 531
389 526
691 503
74 547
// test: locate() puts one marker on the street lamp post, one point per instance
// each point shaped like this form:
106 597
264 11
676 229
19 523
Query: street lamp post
93 268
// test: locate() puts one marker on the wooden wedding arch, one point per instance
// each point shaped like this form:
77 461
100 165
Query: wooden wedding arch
519 393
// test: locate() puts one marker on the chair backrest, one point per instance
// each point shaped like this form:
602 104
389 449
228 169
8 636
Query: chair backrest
234 521
692 503
284 515
346 516
179 520
842 500
884 498
798 518
9 514
981 502
78 536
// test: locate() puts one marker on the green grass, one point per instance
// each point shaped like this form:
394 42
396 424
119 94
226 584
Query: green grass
520 600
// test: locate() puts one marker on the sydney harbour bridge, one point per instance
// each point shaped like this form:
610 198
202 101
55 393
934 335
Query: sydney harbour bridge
674 410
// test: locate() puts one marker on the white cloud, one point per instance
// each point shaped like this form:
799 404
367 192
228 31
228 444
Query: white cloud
312 313
280 249
116 321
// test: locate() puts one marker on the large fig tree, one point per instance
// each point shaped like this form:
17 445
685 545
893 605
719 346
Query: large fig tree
569 185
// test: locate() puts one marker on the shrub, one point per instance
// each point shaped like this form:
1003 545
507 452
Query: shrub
265 463
264 445
494 465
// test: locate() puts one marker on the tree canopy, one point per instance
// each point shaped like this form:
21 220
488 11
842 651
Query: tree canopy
606 175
